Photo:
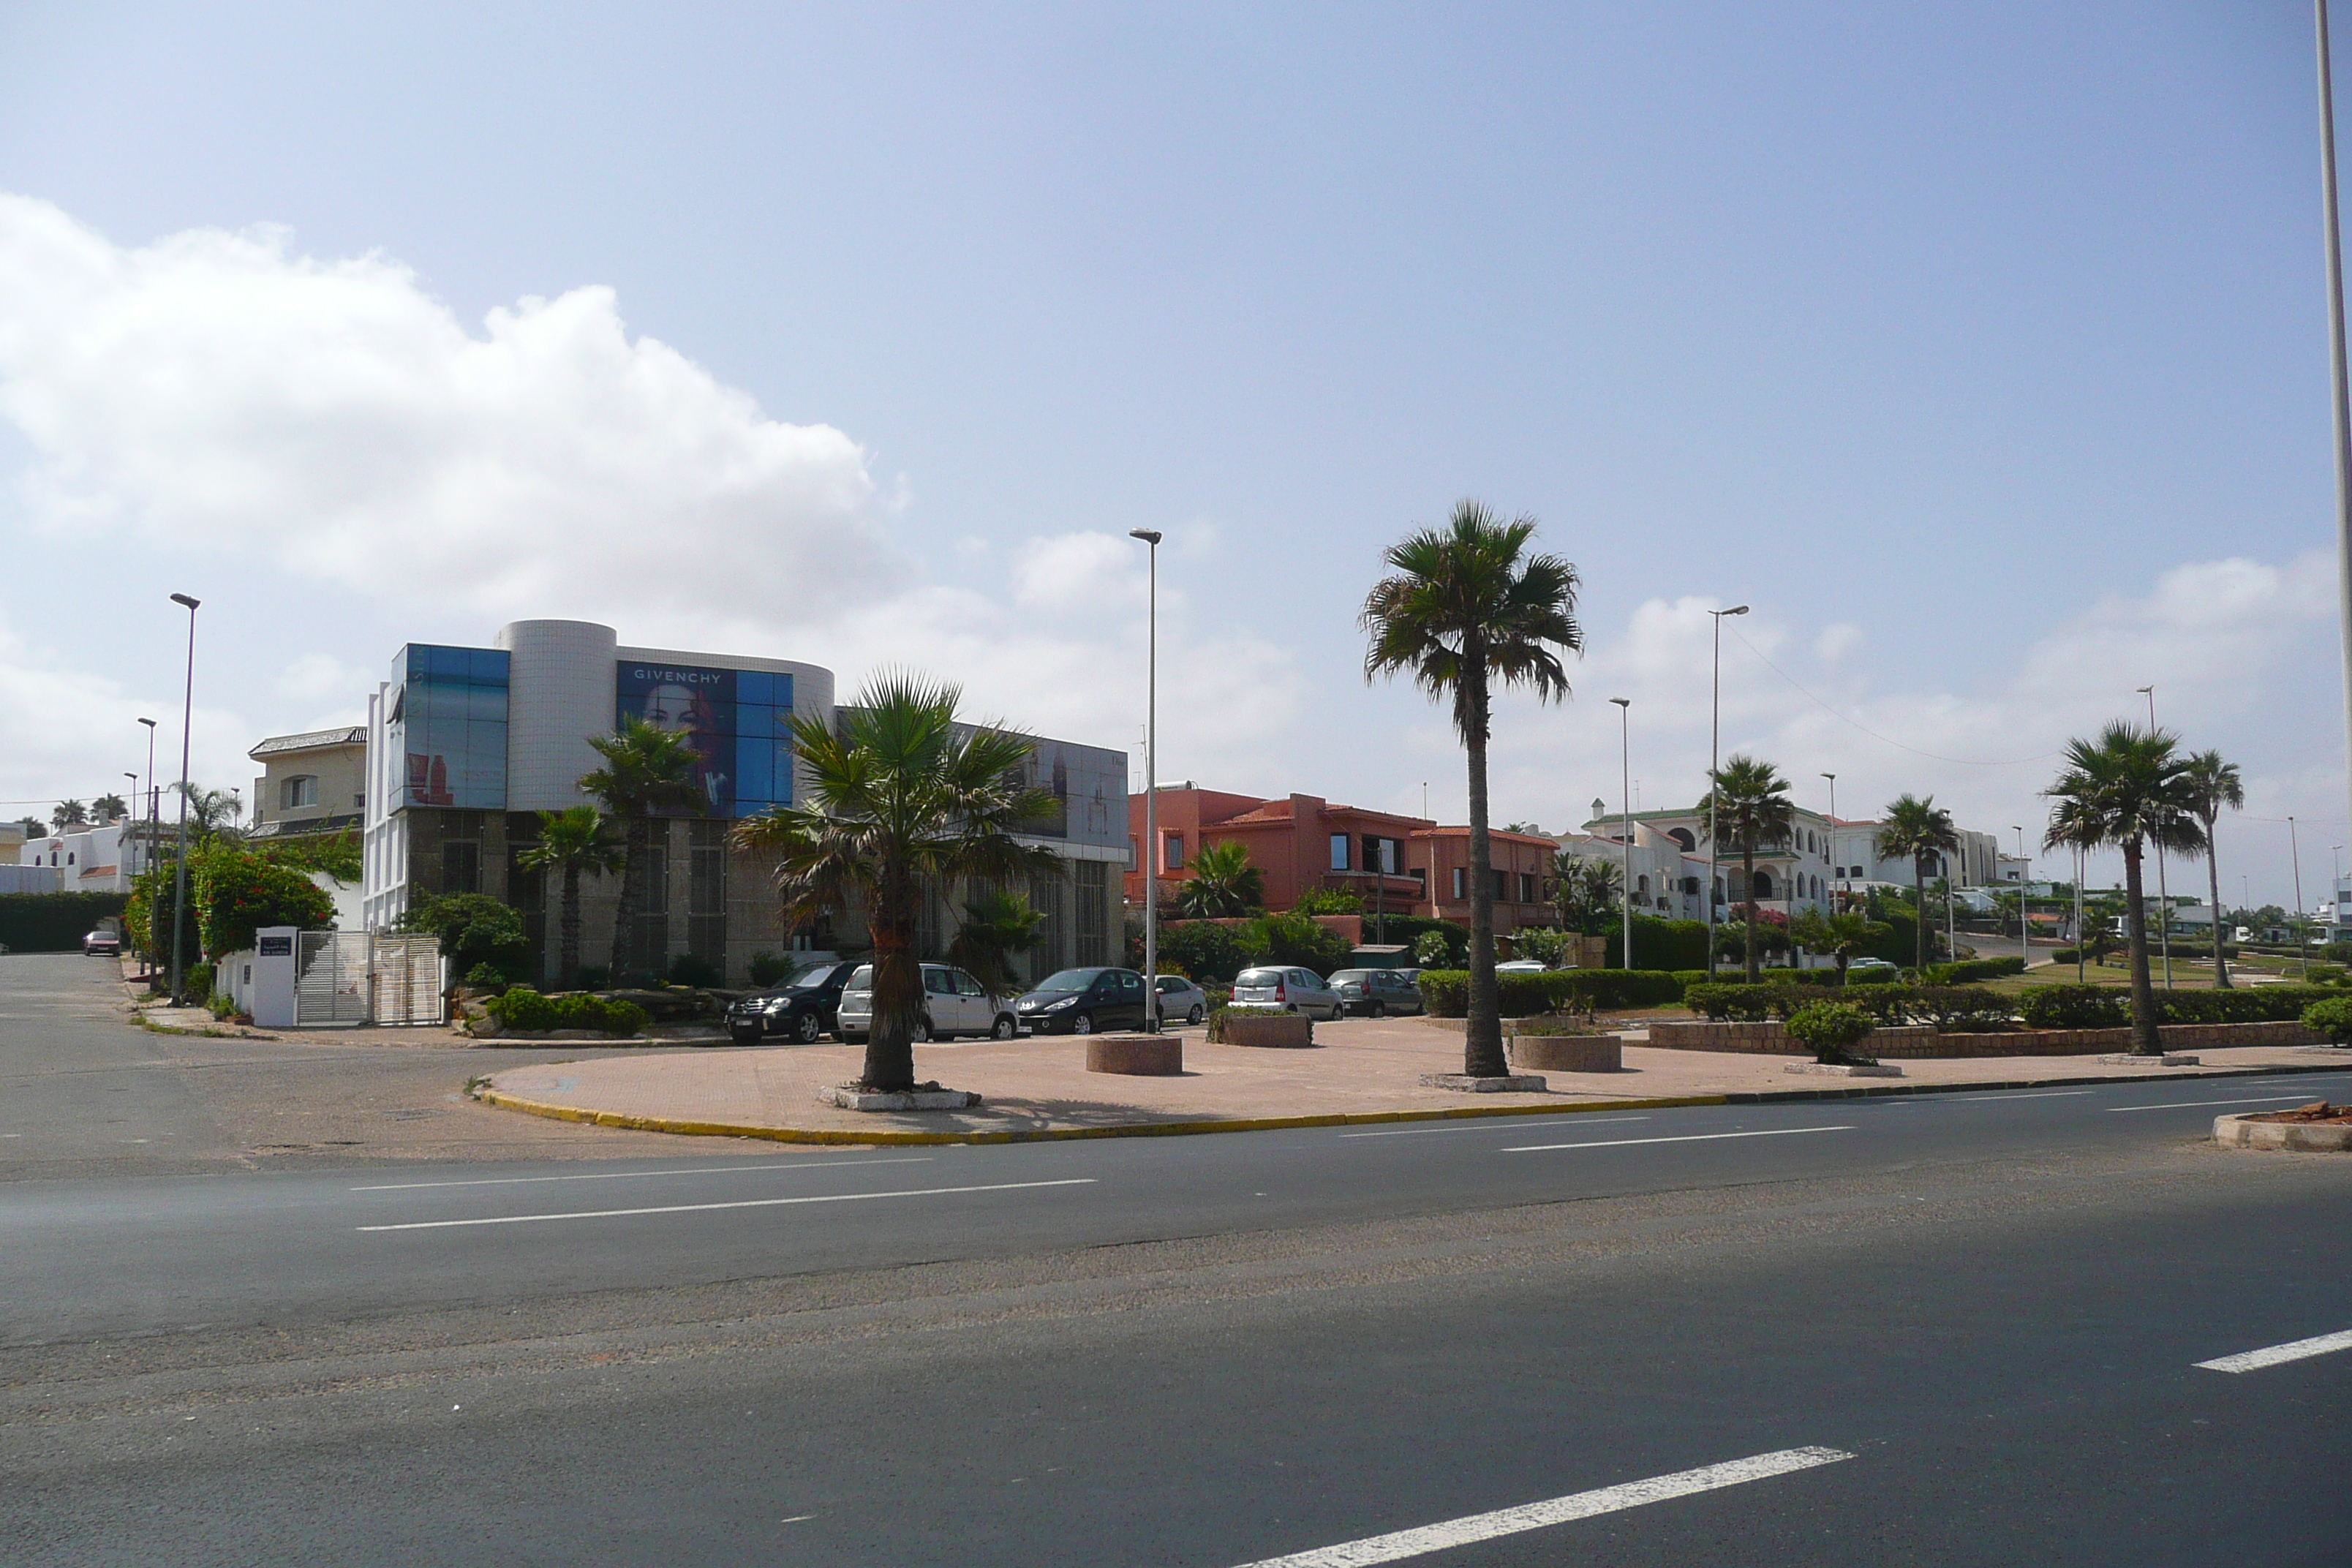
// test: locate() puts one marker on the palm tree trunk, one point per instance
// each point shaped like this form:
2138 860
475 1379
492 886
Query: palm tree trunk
1747 871
567 962
2146 1041
898 999
1482 1048
2213 883
624 912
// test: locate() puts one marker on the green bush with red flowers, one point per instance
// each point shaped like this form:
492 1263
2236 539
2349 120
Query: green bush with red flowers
235 892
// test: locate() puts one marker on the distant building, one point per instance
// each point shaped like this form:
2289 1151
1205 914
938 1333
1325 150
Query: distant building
1856 863
314 782
84 859
1670 872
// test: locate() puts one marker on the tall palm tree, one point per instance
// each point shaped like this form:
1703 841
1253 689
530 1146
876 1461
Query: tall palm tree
2128 788
108 808
1584 891
1750 806
1844 934
1915 827
901 802
211 813
69 814
1465 608
1223 882
572 841
997 927
647 772
2214 783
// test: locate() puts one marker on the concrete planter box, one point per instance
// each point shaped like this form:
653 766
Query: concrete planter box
1463 1083
1568 1053
848 1098
1845 1069
2304 1137
1138 1056
1285 1031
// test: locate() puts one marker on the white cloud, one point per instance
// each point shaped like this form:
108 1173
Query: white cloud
1836 641
67 732
333 418
316 676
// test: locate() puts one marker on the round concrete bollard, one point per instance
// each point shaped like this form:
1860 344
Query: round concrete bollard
1568 1053
1138 1056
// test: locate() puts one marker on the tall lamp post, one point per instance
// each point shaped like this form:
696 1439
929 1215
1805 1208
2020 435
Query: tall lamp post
1151 780
150 840
2342 404
1625 777
1714 741
2302 948
180 861
1839 868
2163 897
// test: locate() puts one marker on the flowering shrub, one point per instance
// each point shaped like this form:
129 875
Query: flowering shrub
234 892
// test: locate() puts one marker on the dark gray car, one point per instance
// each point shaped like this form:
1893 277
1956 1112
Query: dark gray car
1371 993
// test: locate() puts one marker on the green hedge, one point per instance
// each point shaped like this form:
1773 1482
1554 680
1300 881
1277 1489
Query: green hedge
1968 972
2331 1019
53 922
524 1008
1962 1008
2109 1006
1446 991
1659 944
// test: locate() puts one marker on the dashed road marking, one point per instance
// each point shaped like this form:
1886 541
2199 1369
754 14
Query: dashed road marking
742 1204
2276 1355
626 1175
1684 1137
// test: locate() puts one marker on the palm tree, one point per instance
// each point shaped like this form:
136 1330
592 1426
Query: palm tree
69 814
1223 882
646 772
996 928
1750 806
1467 608
901 802
211 813
108 808
1843 935
1584 891
1915 825
572 841
2128 788
2214 783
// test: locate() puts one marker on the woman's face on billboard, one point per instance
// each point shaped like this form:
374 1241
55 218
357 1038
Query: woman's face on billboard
670 708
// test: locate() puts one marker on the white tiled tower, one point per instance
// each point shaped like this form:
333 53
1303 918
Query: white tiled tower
560 693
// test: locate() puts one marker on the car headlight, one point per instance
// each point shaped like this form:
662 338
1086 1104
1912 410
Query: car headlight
1064 1002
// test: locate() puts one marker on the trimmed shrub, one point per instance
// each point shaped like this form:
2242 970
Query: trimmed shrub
1873 977
1831 1029
1735 1003
196 981
1597 988
55 922
2331 1019
486 977
1969 972
1445 993
1659 944
1207 951
522 1008
1217 1016
2074 1007
2254 1005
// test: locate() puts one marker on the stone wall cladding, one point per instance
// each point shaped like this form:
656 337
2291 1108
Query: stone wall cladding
1921 1042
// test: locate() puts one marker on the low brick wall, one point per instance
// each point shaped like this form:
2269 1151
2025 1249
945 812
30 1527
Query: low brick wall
1921 1042
1567 1053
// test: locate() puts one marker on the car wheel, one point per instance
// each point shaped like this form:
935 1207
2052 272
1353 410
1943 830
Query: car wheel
921 1034
1004 1028
1376 1010
1194 1015
1084 1024
808 1029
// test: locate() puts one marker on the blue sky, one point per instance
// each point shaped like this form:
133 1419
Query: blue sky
1980 348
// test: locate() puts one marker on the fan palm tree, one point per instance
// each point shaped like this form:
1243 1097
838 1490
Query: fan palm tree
211 813
997 927
1845 935
572 841
1468 608
647 772
1749 804
2214 783
1917 827
901 802
108 808
2129 788
1222 883
1584 891
69 814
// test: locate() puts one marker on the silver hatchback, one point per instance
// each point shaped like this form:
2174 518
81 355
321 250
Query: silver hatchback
1291 989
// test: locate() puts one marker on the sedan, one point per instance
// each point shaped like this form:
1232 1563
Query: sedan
1371 992
1292 990
104 943
1179 998
1083 1001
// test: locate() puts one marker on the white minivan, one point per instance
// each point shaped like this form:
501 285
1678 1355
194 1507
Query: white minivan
953 1004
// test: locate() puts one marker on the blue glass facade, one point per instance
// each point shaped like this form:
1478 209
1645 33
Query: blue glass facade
738 721
449 718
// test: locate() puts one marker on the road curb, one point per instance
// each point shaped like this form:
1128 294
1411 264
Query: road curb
1896 1090
507 1102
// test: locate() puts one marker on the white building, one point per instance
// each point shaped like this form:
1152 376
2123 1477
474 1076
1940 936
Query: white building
86 859
1855 861
1671 863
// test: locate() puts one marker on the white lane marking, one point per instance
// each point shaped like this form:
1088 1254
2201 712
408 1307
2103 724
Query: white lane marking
1685 1138
2273 1355
1986 1099
742 1204
2191 1104
1480 1527
626 1175
1416 1131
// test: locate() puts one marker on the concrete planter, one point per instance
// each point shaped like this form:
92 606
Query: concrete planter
2303 1137
1845 1069
1138 1056
1568 1053
1462 1082
848 1098
1286 1031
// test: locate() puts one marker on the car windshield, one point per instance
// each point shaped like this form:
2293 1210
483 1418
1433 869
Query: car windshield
1259 977
816 974
1355 976
1069 980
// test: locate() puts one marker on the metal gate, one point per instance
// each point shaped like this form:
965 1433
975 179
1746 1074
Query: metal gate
361 977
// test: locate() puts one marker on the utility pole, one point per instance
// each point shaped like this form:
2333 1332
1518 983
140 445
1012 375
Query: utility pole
1151 784
180 861
1625 766
2336 371
1714 761
153 831
2163 897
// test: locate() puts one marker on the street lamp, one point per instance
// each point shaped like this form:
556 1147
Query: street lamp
1836 882
2163 897
2024 875
2302 948
1714 739
2340 400
180 863
1624 776
150 840
1152 781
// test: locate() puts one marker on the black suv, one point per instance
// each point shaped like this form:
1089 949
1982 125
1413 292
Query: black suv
803 1008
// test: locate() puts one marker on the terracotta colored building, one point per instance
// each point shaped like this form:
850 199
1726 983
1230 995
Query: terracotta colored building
1406 865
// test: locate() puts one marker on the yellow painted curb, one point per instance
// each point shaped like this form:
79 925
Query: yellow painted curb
505 1102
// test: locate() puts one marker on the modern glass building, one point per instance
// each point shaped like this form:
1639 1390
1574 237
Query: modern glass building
467 745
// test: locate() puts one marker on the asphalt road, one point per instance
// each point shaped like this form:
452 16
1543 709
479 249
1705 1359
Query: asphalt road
1211 1350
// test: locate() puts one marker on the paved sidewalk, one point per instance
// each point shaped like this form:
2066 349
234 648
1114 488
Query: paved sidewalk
1361 1068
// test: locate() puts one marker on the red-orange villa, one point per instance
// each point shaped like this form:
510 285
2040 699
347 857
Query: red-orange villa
1404 865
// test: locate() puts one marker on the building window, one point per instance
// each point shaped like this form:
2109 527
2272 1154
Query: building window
1641 887
1172 854
299 791
1094 912
461 867
1338 851
1501 892
1763 885
1134 856
1461 883
1527 887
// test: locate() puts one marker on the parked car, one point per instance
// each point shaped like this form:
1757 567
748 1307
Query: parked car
803 1008
1371 993
102 941
1179 998
1083 1001
953 1004
1869 963
1292 990
1521 966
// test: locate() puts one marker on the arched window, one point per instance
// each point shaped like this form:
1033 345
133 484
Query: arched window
1642 888
1683 836
1763 885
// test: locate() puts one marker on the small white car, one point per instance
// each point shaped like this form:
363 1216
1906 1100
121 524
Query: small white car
1292 990
102 943
1182 1001
1860 963
953 1004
